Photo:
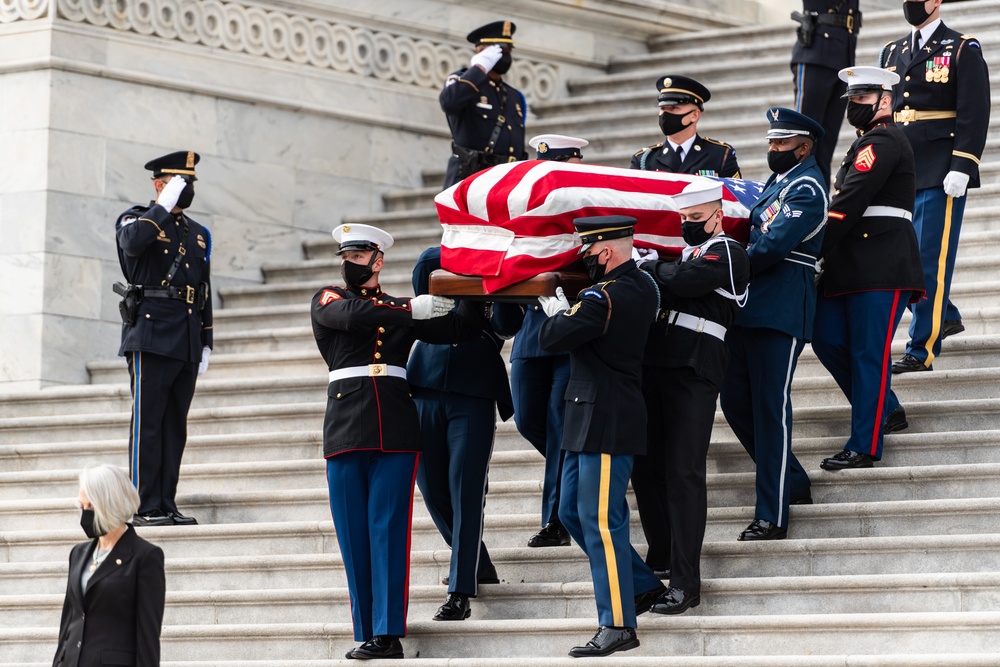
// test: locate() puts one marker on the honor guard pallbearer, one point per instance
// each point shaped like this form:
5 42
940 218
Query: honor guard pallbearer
166 330
871 266
486 115
786 233
942 105
371 434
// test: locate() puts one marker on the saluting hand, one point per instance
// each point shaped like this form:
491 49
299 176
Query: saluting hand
171 192
488 57
553 305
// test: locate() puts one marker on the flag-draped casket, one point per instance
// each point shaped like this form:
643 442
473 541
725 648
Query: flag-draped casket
514 221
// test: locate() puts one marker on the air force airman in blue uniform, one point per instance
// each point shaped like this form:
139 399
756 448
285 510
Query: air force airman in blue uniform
371 433
604 334
942 105
786 233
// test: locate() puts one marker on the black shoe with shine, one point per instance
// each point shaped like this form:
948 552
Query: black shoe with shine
608 640
896 421
909 364
455 608
675 601
152 519
803 498
846 459
762 529
379 647
552 535
643 601
951 327
181 520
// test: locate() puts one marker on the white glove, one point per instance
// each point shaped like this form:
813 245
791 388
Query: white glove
488 57
553 305
955 183
643 255
429 306
171 192
206 352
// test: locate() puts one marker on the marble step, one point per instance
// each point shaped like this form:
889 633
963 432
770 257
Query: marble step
618 660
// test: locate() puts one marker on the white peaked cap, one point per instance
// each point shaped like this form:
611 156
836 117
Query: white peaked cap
867 79
361 237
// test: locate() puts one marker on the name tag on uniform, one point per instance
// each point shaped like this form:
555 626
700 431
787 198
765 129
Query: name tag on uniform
484 103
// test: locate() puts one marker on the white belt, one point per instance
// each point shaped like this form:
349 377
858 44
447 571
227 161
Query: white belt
371 370
886 212
698 324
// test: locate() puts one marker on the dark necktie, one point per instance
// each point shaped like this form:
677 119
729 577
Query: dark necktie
673 160
916 42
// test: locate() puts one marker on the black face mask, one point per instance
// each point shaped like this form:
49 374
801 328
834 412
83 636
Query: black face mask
87 523
504 63
861 115
594 270
186 196
672 123
915 13
694 233
356 275
781 161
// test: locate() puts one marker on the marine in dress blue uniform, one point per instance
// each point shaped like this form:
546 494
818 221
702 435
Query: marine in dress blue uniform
458 390
942 105
371 433
683 366
825 44
485 113
681 102
786 233
604 334
165 256
871 267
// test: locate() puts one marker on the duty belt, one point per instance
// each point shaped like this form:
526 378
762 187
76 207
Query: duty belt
850 21
185 293
371 370
886 212
911 115
696 324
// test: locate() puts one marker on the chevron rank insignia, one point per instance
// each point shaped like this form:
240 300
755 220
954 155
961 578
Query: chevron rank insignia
865 158
328 296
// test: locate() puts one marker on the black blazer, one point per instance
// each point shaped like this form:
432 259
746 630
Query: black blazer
118 621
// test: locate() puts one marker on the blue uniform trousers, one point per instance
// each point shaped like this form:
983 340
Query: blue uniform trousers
594 510
852 339
371 498
162 389
937 220
756 400
538 386
457 436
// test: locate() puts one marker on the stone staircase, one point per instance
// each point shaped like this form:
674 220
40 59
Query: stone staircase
897 565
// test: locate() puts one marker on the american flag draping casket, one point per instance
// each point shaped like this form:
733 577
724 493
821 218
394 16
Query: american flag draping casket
514 221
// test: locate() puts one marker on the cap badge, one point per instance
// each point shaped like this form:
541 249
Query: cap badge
190 160
667 82
774 115
506 28
850 72
346 228
543 147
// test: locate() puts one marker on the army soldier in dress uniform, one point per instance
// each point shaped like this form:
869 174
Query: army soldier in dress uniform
682 101
166 330
683 366
485 113
371 434
786 233
942 104
604 333
827 37
871 266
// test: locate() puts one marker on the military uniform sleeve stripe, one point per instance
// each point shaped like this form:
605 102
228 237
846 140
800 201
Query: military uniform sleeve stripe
967 156
836 216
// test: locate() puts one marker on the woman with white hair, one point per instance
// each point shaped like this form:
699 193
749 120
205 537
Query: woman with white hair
114 598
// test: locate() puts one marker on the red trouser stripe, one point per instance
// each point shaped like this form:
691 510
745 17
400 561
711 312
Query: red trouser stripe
886 367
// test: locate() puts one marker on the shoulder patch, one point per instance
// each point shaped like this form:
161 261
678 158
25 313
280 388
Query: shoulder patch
127 220
591 292
865 158
329 295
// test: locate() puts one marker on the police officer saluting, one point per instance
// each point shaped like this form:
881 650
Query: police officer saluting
486 115
871 266
681 101
166 330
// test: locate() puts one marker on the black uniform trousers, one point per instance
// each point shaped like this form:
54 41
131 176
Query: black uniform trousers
680 408
457 433
818 93
162 389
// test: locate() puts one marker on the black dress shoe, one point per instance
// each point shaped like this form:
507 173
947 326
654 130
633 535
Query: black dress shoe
846 459
552 535
608 640
762 529
896 421
951 327
380 647
803 498
487 575
455 608
909 364
181 520
675 601
662 574
643 601
152 519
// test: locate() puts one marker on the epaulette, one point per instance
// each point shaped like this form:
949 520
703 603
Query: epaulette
968 37
648 148
717 143
888 43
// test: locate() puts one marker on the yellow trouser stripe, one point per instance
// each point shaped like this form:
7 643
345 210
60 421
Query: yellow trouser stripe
609 547
939 292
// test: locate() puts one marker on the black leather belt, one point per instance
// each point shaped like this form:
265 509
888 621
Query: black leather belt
850 21
186 293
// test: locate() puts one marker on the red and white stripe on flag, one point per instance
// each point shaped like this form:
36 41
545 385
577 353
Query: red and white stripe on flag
514 221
